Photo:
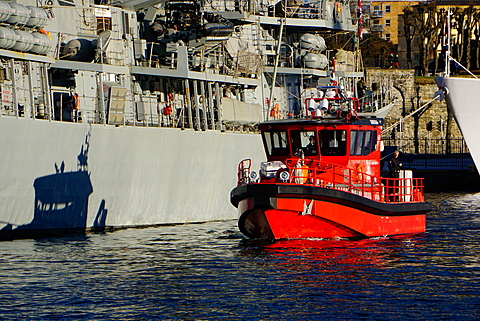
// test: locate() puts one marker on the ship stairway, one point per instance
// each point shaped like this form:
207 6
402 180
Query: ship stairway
256 35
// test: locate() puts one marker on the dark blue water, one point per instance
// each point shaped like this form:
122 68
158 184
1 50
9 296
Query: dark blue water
210 272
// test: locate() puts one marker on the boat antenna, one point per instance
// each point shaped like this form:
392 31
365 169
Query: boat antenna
447 52
277 56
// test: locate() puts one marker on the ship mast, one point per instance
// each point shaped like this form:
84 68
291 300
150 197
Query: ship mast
277 56
447 53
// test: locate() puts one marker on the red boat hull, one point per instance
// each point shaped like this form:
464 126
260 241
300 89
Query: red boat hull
327 220
322 213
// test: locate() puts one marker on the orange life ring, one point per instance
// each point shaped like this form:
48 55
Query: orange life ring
301 173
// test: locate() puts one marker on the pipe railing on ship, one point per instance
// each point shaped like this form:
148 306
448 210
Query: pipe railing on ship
153 116
338 177
306 10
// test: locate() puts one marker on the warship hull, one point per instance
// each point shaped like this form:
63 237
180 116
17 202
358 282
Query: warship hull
463 97
117 176
118 114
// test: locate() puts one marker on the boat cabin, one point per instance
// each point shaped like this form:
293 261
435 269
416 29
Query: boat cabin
356 145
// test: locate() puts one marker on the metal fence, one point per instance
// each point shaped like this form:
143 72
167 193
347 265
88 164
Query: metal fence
440 146
433 154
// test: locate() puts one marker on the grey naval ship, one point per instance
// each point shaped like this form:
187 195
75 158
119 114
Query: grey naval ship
133 113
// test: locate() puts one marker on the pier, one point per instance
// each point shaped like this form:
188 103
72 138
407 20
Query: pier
442 172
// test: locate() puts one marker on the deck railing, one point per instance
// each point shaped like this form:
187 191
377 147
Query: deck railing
333 176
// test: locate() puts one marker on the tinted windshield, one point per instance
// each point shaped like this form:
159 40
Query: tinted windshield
362 142
333 142
276 143
305 141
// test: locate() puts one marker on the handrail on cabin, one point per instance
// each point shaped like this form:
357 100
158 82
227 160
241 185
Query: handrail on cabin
316 173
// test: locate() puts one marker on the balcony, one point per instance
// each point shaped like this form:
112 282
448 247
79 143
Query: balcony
377 28
377 14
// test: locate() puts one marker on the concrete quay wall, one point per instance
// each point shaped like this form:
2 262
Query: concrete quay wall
413 93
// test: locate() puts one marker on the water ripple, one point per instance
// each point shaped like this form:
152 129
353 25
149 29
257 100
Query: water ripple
210 271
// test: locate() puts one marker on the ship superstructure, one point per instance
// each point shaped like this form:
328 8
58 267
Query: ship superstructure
95 94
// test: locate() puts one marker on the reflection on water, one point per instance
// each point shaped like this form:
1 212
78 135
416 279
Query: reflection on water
209 271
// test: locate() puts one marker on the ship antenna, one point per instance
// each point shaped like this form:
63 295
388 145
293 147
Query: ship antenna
447 52
277 56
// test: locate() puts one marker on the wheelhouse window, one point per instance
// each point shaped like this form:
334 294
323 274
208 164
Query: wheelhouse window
362 142
276 143
305 141
333 142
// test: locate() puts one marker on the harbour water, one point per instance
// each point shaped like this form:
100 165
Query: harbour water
211 272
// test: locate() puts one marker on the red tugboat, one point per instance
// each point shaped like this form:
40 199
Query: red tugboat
322 180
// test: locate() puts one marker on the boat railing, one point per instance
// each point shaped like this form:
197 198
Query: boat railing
146 113
244 173
338 177
283 8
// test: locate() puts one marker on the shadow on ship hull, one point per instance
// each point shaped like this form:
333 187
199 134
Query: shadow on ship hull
61 204
61 207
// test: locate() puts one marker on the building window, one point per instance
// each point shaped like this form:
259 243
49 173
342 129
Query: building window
376 8
376 21
387 22
387 36
387 9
